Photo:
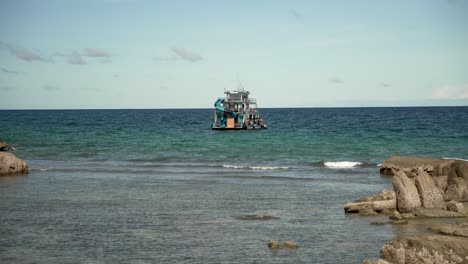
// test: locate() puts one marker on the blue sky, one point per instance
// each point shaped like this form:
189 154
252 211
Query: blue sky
183 54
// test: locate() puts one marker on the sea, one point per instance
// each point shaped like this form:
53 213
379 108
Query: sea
159 186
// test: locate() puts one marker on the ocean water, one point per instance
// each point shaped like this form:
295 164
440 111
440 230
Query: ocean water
159 186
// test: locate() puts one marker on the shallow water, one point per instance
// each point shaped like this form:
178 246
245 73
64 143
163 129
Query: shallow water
158 186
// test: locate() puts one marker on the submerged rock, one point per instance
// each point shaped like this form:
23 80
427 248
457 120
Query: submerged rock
274 244
290 244
11 165
255 217
399 222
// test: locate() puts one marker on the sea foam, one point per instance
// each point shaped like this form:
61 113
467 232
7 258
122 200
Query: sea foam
454 159
342 164
256 167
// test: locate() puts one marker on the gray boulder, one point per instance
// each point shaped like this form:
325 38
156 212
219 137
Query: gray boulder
407 197
430 195
11 165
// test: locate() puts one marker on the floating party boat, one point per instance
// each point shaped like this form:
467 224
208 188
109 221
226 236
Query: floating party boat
237 111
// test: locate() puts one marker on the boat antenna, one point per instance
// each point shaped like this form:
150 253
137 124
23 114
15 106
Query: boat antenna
240 87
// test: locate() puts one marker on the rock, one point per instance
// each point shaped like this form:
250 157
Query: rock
397 163
273 244
290 244
457 180
11 165
396 216
407 197
382 196
372 261
408 216
444 168
452 230
465 195
3 145
430 195
456 207
456 186
399 222
367 212
376 206
425 249
441 182
435 213
383 202
388 211
459 169
256 217
378 223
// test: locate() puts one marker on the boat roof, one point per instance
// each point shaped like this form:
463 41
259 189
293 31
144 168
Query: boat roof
237 91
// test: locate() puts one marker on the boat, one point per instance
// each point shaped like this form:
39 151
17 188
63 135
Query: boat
237 111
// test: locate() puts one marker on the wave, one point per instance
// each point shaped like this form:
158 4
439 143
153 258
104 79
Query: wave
454 159
256 167
342 164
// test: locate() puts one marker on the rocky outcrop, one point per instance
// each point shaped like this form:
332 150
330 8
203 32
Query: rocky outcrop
422 186
449 245
419 194
426 249
11 165
407 197
430 195
449 175
381 203
409 163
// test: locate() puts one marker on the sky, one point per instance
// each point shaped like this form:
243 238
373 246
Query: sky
183 54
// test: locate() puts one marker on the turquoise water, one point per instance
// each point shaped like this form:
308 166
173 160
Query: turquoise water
159 186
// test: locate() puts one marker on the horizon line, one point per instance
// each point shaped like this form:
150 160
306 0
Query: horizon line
203 108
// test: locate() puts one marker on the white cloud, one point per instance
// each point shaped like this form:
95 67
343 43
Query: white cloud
451 92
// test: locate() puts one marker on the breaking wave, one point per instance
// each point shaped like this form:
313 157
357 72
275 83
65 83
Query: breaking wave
455 158
342 164
256 167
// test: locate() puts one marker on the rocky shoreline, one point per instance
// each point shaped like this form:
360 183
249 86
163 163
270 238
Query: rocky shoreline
422 188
